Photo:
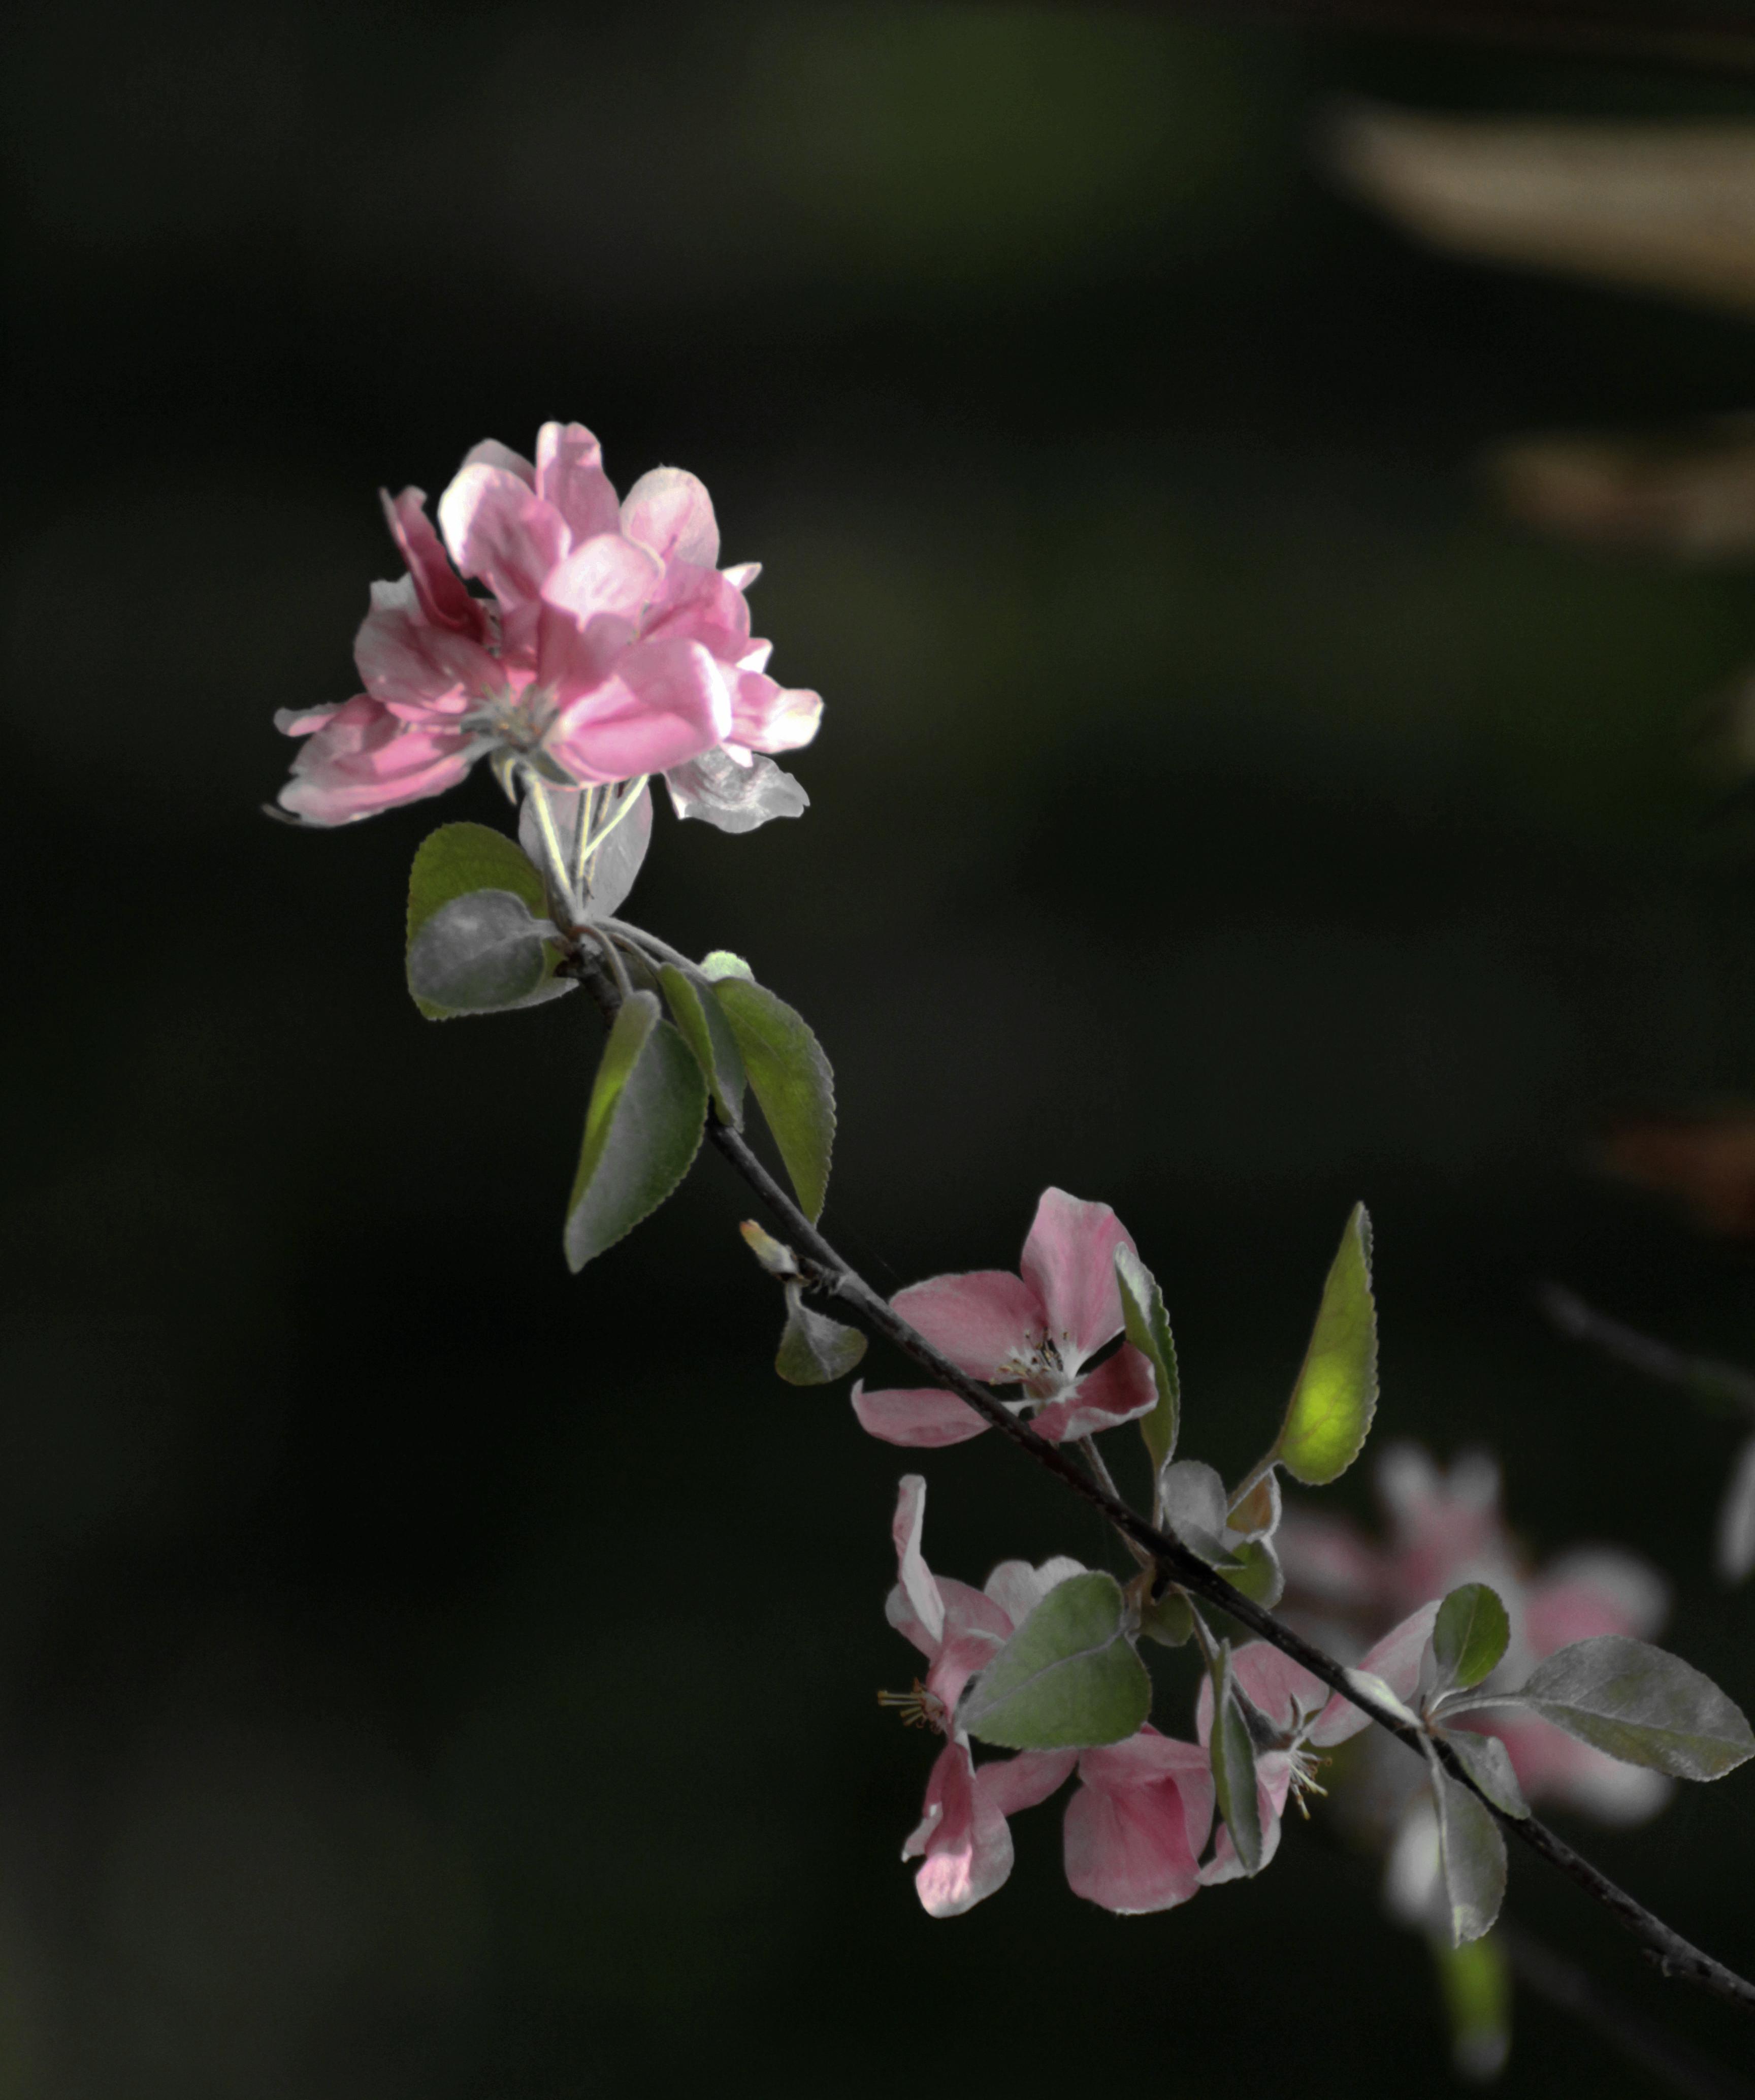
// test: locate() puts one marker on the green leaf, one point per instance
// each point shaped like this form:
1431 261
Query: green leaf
1147 1328
642 1129
1487 1763
1476 1983
1067 1680
708 1032
455 861
1168 1620
1336 1394
1469 1636
1471 1852
790 1077
479 954
815 1350
1232 1752
1642 1705
721 963
1255 1570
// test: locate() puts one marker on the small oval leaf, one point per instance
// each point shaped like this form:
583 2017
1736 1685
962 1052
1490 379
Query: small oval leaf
815 1350
643 1128
1147 1328
1336 1394
477 955
457 861
790 1077
1469 1636
1641 1704
1487 1763
1067 1680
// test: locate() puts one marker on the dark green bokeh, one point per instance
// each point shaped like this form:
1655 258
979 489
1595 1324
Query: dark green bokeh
424 1673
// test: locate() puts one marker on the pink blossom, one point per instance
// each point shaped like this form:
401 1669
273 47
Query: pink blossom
1446 1529
610 646
1305 1717
962 1840
1036 1329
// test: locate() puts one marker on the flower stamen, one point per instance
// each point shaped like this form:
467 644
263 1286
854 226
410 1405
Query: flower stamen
919 1708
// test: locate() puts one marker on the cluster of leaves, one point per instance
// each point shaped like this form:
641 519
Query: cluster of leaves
685 1037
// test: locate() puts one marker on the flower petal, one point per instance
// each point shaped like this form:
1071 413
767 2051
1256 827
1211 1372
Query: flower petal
924 1418
669 511
962 1838
1396 1659
1593 1591
415 668
1273 1782
500 530
1273 1683
365 759
915 1578
665 703
1120 1390
1011 1784
732 797
569 475
766 717
983 1320
1069 1262
441 591
1136 1825
491 452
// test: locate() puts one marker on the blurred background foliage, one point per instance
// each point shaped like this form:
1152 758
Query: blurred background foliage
424 1674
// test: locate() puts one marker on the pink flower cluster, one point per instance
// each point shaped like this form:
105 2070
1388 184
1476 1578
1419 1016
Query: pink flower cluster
611 646
1139 1819
1445 1528
1037 1330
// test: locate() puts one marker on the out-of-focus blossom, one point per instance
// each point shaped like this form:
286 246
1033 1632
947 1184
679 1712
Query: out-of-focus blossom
610 646
1037 1330
1445 1528
962 1840
1305 1717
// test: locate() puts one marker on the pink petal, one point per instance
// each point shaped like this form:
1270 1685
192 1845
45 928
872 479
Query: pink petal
923 1419
1011 1784
1396 1659
766 716
984 1322
664 703
741 574
415 668
1326 1558
1136 1825
915 1578
1069 1262
443 599
670 512
491 452
502 532
963 1836
604 574
569 475
1120 1390
699 604
365 759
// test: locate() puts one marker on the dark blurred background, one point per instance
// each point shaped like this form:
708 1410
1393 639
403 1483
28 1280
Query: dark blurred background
423 1673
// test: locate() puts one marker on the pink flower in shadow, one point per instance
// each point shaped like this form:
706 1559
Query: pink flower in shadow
1037 1330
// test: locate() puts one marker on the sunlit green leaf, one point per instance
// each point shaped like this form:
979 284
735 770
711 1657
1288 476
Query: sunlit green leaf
1476 1983
721 964
455 861
1469 1636
1067 1680
708 1032
790 1077
815 1350
1233 1759
1147 1328
642 1129
1336 1394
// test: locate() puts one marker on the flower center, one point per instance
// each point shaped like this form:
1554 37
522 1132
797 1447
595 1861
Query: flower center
1039 1367
1306 1764
919 1708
